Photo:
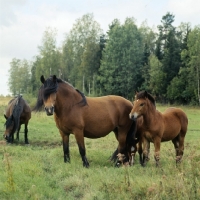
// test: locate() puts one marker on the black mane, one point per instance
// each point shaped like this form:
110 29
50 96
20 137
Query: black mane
50 86
145 94
15 116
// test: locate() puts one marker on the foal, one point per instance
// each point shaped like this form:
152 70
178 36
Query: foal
159 127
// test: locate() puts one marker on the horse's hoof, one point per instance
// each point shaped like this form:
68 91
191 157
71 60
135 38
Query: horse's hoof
118 164
86 165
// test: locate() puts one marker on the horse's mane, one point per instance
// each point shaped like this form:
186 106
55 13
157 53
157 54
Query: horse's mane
16 112
50 86
145 94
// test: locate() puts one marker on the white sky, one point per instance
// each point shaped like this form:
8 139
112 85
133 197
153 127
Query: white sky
23 22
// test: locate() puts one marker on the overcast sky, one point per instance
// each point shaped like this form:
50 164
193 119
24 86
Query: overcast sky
23 22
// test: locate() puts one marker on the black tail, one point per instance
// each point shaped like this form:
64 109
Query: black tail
131 140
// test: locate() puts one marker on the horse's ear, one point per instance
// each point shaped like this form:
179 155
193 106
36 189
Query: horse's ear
54 78
42 79
5 116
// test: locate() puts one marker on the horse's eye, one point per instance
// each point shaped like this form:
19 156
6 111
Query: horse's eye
141 104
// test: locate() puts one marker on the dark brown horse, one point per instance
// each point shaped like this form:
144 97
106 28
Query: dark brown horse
18 112
159 127
91 117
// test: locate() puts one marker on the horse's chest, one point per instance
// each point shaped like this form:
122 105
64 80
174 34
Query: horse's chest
63 124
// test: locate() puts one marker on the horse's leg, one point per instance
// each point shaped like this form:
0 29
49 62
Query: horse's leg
146 147
175 141
17 137
132 151
65 139
114 155
81 145
180 149
140 151
122 148
12 138
26 133
157 142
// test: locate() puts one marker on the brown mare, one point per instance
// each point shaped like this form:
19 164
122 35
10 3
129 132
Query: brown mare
159 127
91 117
18 112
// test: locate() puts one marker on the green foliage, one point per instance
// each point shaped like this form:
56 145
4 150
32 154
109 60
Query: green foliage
194 52
48 61
157 75
122 59
81 48
19 79
125 59
168 50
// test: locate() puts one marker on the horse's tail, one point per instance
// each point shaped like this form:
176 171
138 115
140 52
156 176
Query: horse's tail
131 140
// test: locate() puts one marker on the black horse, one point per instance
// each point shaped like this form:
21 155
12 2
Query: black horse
18 112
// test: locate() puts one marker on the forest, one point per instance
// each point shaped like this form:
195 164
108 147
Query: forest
164 61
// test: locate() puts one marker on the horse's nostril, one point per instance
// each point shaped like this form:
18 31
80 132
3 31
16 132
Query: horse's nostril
131 116
49 110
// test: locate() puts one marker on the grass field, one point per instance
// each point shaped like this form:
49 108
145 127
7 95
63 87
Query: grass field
37 171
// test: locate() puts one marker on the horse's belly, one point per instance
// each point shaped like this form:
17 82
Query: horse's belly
95 134
97 130
170 133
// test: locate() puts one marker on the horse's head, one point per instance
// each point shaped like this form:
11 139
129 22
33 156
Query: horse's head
139 105
9 128
49 93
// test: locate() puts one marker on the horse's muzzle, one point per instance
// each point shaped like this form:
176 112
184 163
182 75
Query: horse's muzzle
133 117
49 111
8 138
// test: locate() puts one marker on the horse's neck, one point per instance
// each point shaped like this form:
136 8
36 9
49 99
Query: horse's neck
66 97
150 115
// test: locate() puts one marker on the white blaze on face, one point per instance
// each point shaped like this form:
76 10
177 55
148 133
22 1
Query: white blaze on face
135 114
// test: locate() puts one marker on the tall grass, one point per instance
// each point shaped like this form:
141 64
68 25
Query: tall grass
37 171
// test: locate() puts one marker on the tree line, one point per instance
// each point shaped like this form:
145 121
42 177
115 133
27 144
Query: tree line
127 58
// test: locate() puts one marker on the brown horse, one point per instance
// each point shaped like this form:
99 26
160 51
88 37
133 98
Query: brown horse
91 117
159 127
18 112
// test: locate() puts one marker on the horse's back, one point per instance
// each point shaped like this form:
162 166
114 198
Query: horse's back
26 112
178 113
10 107
175 121
111 103
103 114
110 99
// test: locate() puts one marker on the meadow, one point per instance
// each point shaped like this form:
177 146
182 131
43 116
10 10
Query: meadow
37 170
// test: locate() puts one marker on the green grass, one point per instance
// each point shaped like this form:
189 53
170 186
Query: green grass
37 171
